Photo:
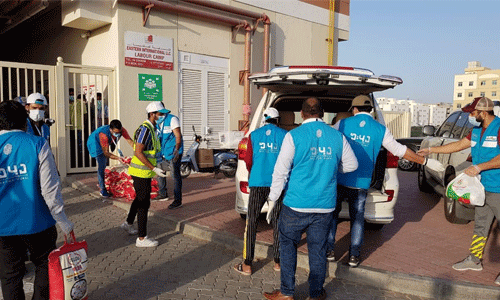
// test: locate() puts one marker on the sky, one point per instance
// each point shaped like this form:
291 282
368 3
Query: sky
424 42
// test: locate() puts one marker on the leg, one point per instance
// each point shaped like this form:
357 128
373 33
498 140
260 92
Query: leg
317 233
176 175
12 251
255 203
483 218
143 195
275 222
357 199
101 166
291 226
341 194
40 245
162 181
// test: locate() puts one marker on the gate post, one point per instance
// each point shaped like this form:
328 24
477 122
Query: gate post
60 146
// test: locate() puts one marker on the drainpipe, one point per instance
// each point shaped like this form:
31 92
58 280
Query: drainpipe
246 84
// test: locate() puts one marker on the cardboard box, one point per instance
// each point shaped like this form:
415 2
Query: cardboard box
205 158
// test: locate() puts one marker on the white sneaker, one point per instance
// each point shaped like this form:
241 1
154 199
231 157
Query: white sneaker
128 228
146 242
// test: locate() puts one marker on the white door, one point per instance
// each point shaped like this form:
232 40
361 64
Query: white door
203 96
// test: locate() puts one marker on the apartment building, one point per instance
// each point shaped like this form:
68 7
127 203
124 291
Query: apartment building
421 114
477 81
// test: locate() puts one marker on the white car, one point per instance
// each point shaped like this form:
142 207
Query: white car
288 87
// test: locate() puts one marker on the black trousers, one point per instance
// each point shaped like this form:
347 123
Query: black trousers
256 200
12 255
140 205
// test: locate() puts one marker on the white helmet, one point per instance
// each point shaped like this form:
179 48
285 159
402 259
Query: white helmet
271 113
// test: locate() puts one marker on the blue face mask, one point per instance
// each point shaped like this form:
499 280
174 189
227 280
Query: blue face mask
160 120
117 135
474 122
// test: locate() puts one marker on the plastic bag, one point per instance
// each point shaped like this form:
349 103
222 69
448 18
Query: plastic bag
467 190
67 271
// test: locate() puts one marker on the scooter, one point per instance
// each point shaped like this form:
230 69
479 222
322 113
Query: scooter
224 161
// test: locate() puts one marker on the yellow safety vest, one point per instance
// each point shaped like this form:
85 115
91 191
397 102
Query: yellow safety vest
137 168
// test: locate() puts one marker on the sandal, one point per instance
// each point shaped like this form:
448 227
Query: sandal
239 268
277 267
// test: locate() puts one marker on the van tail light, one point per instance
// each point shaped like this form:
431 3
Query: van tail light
244 187
390 193
242 148
392 161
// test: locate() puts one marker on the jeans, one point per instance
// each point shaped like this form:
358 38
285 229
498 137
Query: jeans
102 161
356 199
175 171
140 205
291 226
12 254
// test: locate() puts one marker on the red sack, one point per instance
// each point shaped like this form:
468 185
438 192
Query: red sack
67 271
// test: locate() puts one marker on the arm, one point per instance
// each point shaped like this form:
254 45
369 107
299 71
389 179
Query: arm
249 155
282 167
448 148
103 141
349 161
126 136
178 138
50 186
399 149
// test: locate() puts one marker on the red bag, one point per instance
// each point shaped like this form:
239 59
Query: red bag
67 271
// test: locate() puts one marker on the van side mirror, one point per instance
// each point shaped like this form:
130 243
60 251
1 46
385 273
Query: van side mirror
428 130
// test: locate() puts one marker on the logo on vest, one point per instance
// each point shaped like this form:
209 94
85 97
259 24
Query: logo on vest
268 132
7 149
319 133
13 170
320 153
362 124
268 147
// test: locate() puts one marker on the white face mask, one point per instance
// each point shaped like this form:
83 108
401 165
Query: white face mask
37 115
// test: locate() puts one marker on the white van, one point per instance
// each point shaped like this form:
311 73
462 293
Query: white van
335 87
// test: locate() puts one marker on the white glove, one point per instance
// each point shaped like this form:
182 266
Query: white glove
176 156
434 164
271 204
160 172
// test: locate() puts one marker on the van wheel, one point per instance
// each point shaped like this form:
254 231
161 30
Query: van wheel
451 206
423 185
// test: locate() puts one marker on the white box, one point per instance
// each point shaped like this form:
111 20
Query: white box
230 139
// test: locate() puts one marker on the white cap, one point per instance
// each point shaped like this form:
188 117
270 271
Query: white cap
156 107
271 113
36 98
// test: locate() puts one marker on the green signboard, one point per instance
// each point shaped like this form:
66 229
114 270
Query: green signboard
150 87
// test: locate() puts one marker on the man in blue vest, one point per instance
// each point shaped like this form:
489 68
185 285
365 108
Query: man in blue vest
99 144
30 205
264 145
310 157
36 104
484 140
366 136
172 147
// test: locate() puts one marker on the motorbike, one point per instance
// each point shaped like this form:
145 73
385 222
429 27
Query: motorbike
223 161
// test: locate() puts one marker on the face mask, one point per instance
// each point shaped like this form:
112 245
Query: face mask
37 115
117 135
474 122
160 119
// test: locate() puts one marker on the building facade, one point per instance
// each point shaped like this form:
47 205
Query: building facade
421 114
477 81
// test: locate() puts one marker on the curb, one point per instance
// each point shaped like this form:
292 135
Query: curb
428 287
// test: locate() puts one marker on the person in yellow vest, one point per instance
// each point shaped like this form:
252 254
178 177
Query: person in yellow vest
142 169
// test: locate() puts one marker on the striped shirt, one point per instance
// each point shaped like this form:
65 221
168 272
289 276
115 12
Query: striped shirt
143 136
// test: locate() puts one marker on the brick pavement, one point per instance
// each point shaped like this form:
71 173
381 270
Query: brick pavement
180 267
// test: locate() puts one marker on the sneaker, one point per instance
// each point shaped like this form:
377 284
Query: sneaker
105 194
468 264
330 256
128 228
353 261
497 281
161 198
175 205
146 242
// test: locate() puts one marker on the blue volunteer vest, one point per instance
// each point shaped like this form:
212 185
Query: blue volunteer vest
94 144
484 149
45 130
313 179
22 206
365 135
167 138
266 145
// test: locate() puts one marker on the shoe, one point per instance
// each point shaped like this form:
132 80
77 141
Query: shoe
239 268
330 256
175 205
277 295
105 194
146 242
322 296
128 228
497 281
353 261
468 264
161 198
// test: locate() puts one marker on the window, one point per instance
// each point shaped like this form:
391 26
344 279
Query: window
483 82
494 82
471 94
468 127
493 94
482 94
471 83
459 125
459 95
448 124
459 105
460 83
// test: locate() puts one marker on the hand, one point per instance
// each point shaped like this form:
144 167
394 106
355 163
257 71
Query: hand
473 170
122 160
160 172
434 164
424 151
271 204
176 156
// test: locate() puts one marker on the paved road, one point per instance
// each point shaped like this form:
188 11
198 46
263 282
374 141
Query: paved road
179 268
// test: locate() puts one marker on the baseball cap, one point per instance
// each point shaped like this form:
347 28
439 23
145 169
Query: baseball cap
36 98
157 107
479 103
361 100
271 113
